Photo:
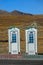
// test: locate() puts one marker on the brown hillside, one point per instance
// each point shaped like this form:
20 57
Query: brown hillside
20 21
16 12
4 13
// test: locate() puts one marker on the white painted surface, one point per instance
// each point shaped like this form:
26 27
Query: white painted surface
14 48
31 48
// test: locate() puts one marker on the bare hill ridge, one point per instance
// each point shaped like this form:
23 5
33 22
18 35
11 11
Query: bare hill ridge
15 12
2 12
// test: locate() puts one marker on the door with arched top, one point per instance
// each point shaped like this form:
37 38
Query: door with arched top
31 41
14 44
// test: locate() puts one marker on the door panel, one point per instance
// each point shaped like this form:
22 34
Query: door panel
14 46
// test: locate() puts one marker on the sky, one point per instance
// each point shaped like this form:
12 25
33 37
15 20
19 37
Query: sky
28 6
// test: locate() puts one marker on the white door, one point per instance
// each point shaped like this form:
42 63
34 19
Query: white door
14 44
31 43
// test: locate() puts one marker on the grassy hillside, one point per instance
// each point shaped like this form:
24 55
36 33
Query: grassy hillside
20 21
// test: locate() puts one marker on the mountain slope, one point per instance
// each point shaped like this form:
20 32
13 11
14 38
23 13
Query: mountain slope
2 12
15 12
